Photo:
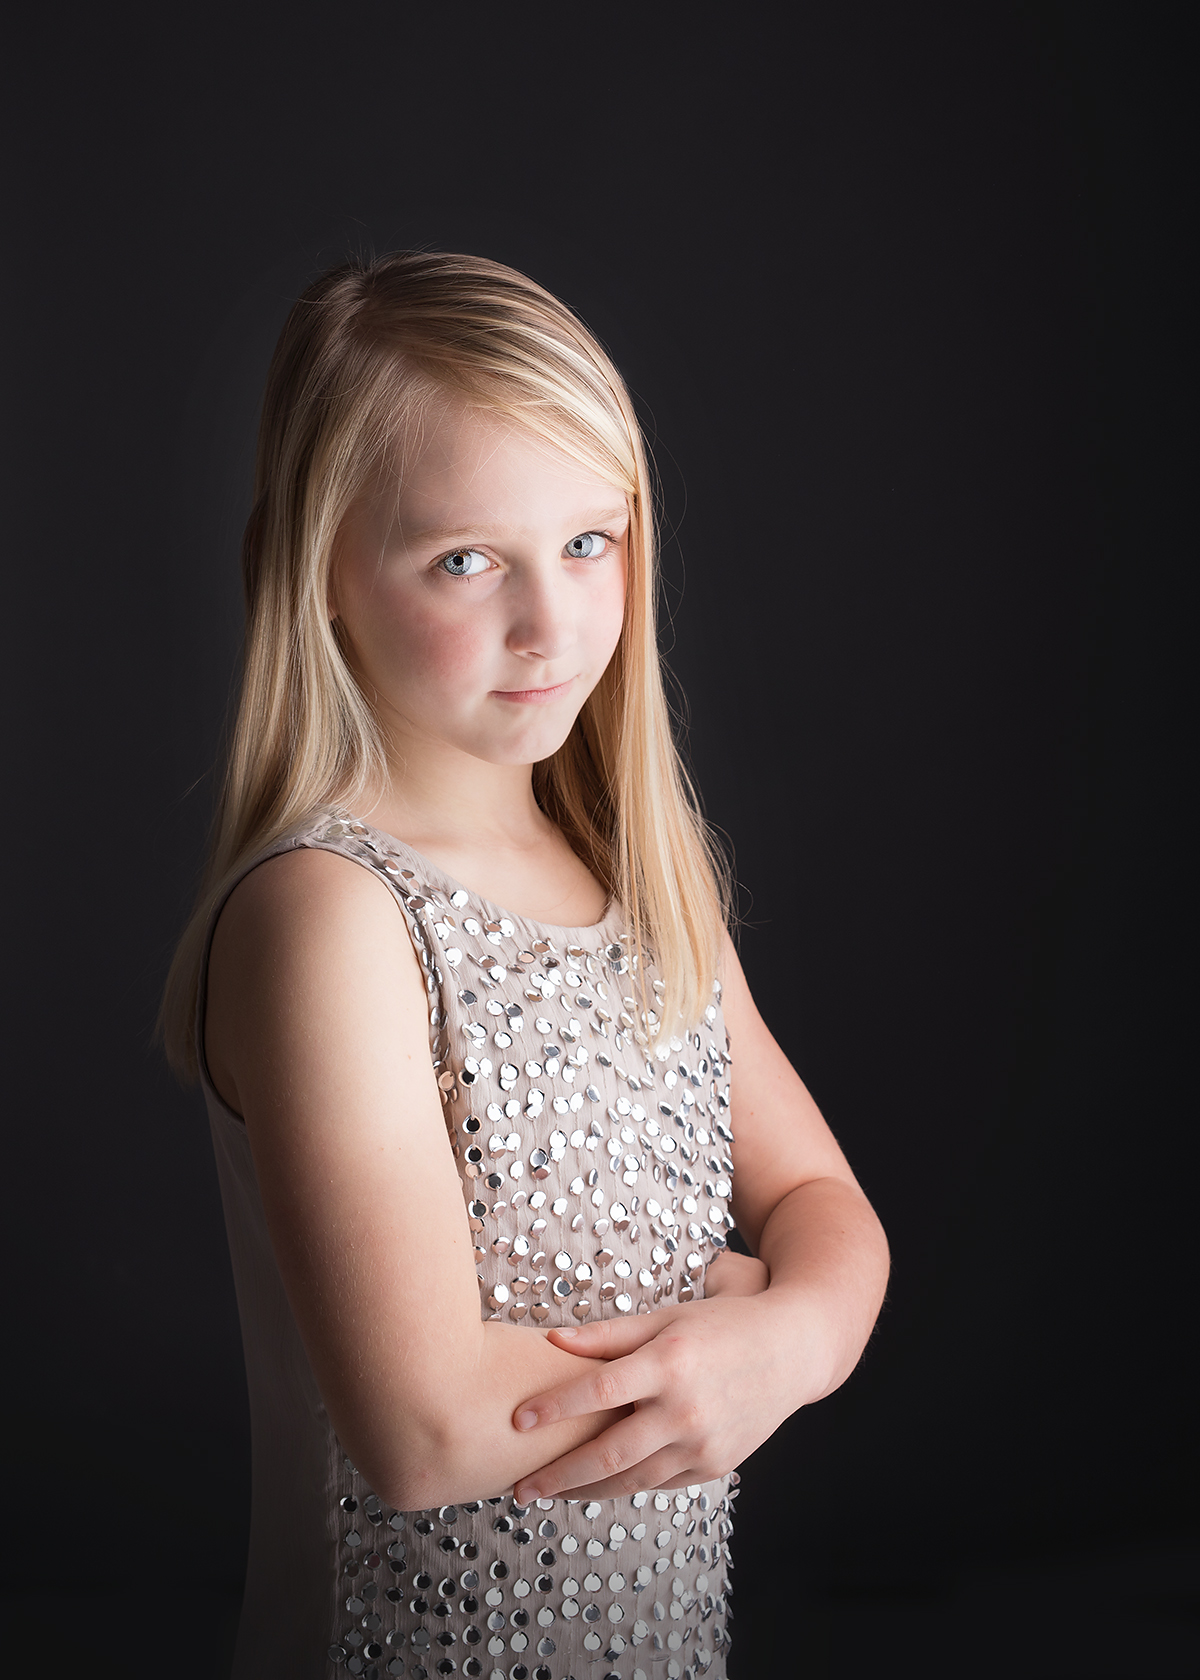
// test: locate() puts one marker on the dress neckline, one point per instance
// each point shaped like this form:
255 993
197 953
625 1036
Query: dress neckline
446 883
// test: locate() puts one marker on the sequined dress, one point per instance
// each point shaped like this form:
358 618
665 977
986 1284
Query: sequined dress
596 1182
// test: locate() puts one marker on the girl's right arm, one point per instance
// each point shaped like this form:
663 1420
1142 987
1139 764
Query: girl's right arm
317 1033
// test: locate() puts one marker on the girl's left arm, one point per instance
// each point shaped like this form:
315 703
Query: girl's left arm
710 1380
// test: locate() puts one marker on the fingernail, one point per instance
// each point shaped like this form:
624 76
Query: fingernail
526 1420
527 1495
566 1332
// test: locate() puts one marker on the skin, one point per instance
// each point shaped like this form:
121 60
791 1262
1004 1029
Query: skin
317 1034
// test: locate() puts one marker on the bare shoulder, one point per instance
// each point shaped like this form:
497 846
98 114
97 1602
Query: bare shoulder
738 1007
305 938
302 891
757 1058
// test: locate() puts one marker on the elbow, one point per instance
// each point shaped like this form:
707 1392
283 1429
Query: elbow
423 1444
427 1468
421 1483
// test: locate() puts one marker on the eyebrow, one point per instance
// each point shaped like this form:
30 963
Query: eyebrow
476 533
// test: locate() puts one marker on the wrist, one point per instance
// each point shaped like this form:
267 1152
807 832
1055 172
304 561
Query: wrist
731 1273
809 1334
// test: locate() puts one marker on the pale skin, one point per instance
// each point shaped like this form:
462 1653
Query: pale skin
317 1034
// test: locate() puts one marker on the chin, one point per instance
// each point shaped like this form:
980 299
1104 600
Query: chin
531 747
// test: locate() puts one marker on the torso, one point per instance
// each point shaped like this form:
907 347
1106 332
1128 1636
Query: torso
596 1179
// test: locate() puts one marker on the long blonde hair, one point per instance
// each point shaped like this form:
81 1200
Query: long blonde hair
362 352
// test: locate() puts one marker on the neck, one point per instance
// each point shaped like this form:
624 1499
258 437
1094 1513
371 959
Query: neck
441 802
480 823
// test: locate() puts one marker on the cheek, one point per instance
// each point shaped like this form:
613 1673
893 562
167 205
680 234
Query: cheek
428 648
610 615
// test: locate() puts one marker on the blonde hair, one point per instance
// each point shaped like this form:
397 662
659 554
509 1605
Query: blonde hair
363 351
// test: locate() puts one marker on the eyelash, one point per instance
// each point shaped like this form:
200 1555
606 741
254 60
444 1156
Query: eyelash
449 555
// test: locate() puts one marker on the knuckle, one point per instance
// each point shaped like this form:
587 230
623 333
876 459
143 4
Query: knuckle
692 1432
607 1389
679 1354
612 1460
692 1417
627 1482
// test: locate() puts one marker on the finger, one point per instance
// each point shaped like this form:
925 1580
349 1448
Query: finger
660 1472
617 1456
610 1338
620 1382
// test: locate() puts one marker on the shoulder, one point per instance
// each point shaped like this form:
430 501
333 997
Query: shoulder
308 906
308 942
737 1005
752 1042
305 892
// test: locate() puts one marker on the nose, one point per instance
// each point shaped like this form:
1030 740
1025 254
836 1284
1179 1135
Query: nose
543 615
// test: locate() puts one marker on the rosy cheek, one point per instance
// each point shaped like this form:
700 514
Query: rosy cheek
440 648
614 614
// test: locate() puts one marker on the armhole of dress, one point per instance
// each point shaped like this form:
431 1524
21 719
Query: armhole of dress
438 1043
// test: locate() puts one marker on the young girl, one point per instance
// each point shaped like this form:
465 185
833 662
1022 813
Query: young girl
483 1073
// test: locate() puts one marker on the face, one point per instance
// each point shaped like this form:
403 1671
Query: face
483 604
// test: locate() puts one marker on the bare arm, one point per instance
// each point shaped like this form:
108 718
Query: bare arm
712 1379
797 1202
317 1033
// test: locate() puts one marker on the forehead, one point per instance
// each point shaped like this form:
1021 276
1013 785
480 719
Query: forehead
470 465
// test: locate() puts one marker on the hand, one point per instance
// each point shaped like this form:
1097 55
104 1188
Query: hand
730 1273
708 1382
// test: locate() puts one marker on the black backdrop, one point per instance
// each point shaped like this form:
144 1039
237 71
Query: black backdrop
898 291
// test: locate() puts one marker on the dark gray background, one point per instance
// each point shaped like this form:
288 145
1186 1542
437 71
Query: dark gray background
899 291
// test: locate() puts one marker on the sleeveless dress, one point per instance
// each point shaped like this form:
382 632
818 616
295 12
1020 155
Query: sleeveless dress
596 1181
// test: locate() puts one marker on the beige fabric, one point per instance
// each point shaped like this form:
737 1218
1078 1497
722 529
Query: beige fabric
580 1152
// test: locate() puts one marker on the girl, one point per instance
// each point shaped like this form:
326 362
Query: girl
481 1066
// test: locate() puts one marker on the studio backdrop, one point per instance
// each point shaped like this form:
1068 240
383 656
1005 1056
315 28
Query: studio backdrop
895 290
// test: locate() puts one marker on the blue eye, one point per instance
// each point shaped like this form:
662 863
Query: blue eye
588 546
464 562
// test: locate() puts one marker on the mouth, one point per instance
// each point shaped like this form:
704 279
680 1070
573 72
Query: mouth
532 696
